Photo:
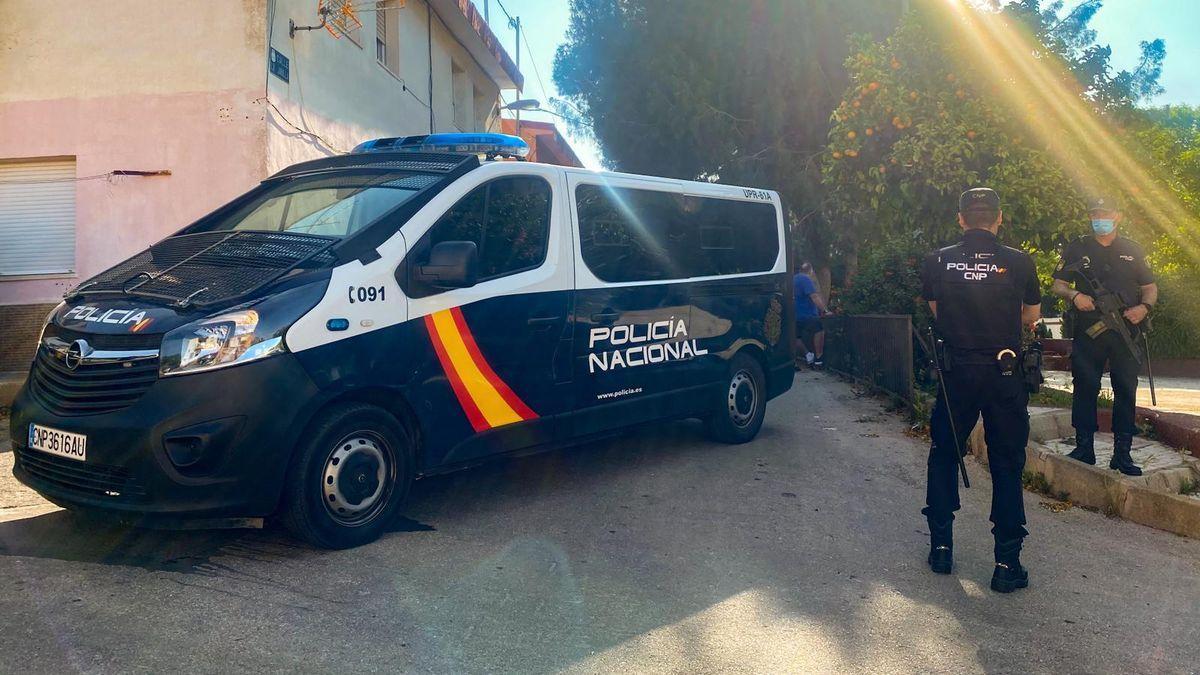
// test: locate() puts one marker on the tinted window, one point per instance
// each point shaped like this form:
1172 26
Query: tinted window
327 205
508 219
642 235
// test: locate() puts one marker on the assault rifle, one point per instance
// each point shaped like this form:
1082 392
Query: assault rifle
1112 317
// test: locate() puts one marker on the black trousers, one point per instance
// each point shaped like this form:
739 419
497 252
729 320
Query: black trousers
1088 357
1003 402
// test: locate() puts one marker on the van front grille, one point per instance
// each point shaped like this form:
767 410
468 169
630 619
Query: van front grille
91 388
69 474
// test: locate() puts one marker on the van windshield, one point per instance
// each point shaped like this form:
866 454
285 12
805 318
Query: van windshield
335 206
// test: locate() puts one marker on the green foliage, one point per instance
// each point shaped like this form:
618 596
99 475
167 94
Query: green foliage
712 89
1176 319
889 281
917 127
1069 37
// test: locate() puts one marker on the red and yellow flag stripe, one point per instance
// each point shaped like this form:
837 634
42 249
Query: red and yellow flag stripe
487 401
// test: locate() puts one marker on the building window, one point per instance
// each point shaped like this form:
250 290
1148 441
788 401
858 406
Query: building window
387 39
37 216
461 101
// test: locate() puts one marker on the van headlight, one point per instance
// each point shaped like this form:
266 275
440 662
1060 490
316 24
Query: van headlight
237 336
216 342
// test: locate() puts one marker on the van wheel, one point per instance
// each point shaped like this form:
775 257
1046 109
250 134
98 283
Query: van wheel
743 404
348 478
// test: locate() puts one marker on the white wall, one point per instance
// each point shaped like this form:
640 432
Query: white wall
339 91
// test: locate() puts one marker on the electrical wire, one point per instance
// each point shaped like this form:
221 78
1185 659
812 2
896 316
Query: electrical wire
302 132
109 176
532 60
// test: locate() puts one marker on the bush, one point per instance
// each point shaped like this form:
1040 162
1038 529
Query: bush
1176 321
889 281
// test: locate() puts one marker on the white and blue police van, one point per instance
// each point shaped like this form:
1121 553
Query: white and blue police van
416 306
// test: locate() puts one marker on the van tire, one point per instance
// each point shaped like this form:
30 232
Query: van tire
743 402
348 477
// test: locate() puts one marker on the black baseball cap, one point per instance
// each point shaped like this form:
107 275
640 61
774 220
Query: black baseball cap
979 199
1102 204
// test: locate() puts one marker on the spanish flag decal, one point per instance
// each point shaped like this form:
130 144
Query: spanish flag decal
485 398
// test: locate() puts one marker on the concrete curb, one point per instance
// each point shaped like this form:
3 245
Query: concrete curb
1150 500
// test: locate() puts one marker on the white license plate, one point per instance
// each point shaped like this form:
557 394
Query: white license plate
55 442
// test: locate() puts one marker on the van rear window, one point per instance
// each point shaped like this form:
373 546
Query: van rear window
629 234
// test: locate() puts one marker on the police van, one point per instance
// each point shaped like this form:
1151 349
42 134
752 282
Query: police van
418 305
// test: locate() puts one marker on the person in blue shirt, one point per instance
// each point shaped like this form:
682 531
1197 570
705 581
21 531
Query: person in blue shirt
810 307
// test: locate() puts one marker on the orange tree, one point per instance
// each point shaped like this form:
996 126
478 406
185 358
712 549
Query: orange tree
917 127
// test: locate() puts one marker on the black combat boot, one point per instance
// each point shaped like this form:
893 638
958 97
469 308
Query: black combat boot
1085 448
1121 461
1009 575
941 547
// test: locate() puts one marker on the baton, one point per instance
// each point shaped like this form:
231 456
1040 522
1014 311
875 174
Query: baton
1149 370
937 366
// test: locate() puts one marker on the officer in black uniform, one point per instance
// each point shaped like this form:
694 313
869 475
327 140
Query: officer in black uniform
1120 266
981 293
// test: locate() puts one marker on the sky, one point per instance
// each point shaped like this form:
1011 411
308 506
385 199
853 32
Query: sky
1121 24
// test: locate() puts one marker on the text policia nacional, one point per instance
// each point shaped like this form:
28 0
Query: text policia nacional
654 342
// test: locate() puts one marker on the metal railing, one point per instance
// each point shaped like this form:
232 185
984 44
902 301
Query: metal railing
877 348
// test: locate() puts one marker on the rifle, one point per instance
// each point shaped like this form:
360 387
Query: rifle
932 349
1112 317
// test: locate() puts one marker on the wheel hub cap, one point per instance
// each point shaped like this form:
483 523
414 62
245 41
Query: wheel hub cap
354 476
743 398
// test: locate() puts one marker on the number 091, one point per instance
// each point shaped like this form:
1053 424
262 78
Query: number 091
365 294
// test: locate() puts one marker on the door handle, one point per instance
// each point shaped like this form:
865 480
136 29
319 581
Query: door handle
605 317
543 320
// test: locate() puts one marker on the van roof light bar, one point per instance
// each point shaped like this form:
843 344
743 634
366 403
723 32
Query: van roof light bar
489 145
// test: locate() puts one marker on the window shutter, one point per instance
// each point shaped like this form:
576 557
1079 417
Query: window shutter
37 217
381 43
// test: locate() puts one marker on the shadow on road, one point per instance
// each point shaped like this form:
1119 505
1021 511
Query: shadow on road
62 535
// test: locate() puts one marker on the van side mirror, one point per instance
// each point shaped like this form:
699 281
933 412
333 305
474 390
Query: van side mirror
452 264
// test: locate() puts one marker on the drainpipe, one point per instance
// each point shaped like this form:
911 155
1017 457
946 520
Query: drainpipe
429 33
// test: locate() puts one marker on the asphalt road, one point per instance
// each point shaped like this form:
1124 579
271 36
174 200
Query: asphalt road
660 551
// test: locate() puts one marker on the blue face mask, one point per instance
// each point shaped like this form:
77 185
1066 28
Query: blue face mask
1103 227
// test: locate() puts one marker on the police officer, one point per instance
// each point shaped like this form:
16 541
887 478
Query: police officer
981 293
1120 266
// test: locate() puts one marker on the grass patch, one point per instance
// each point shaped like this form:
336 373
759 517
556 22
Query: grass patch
1189 486
1050 397
1035 481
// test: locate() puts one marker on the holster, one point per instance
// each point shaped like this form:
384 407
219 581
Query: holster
1030 367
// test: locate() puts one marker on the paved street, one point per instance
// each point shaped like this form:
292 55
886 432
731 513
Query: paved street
659 551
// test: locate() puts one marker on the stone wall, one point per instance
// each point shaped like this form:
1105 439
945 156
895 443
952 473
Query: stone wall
22 324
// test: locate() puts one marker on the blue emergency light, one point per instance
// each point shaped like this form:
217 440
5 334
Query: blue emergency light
491 145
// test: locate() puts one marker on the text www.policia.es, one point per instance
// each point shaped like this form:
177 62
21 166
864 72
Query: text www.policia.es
619 392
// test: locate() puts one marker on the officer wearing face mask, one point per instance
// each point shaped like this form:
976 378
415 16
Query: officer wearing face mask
1119 264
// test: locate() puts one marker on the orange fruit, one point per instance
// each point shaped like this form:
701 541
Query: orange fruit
852 153
913 95
857 104
837 155
971 135
870 131
950 77
851 135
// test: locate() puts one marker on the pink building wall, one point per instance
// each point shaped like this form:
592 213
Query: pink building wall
213 143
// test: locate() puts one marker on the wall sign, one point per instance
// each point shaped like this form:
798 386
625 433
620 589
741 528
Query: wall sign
279 65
